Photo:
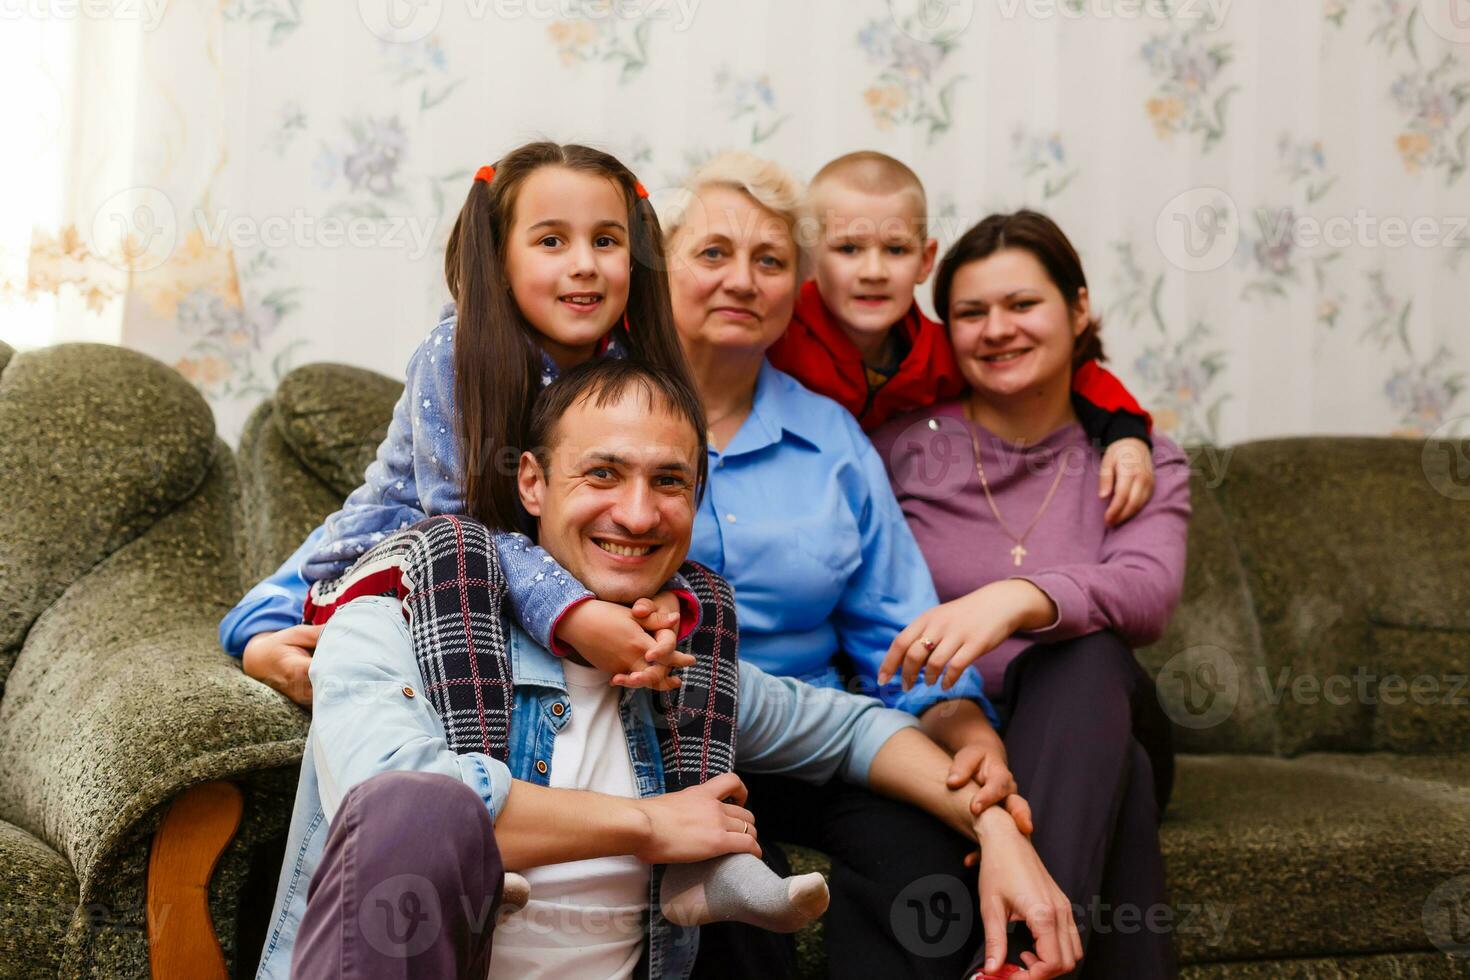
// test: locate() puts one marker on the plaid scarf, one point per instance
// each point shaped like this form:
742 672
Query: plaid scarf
447 573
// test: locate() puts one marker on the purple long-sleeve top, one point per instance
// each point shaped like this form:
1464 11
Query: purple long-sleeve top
1126 578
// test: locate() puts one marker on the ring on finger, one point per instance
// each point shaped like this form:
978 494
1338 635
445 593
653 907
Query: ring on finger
745 826
927 644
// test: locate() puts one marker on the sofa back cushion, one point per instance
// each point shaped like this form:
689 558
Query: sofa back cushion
334 417
1355 552
1209 664
96 444
303 451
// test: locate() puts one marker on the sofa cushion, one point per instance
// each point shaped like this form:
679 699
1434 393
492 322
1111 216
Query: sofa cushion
333 417
38 898
1339 536
1209 664
1420 679
87 467
1332 856
282 500
1323 855
1394 966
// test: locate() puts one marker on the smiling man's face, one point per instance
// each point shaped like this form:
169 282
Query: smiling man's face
615 502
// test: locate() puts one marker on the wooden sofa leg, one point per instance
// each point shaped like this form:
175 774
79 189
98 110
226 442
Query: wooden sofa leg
195 831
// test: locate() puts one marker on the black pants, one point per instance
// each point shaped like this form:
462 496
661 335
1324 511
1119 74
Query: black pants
1091 752
903 904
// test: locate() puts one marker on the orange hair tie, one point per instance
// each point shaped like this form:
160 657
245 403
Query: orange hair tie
640 189
485 173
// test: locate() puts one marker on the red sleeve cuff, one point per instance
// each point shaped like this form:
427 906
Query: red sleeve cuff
1101 387
556 646
688 613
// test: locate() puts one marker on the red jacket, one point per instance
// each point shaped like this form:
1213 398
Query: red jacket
815 351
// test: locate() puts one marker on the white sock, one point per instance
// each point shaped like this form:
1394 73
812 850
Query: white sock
741 888
514 894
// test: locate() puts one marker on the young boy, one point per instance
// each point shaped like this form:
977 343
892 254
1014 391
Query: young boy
859 338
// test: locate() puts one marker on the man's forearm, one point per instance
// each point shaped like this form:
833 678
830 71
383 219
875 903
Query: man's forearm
539 825
910 767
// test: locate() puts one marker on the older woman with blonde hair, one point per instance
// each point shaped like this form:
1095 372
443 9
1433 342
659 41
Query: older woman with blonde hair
798 515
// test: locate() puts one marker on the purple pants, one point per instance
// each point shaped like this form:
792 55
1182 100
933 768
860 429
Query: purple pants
408 886
1091 752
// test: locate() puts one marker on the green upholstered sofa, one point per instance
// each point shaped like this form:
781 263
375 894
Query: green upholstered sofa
1320 825
132 750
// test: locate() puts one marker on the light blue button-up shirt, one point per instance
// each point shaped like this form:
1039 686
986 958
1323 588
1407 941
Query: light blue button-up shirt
799 517
363 724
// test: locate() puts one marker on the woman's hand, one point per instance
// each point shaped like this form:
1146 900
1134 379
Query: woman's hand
995 784
1127 477
636 645
281 658
979 757
954 635
1015 887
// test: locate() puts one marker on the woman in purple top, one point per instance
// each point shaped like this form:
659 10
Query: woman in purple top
1000 490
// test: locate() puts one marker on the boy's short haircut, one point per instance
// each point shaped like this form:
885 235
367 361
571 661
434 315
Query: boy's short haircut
871 172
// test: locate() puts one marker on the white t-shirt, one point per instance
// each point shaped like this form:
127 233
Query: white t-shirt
585 919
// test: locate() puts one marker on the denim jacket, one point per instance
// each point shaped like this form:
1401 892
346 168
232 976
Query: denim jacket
367 719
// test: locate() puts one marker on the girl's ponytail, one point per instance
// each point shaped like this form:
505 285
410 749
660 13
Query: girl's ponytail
495 368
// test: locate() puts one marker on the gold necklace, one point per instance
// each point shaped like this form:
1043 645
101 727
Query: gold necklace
1019 552
709 425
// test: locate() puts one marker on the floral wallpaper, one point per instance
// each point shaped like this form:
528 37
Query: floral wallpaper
1271 201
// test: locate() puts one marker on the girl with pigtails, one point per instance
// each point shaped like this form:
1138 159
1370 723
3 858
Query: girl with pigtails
551 262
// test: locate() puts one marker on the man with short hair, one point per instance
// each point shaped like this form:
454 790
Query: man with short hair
406 879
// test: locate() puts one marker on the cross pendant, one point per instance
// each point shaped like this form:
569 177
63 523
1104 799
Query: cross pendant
1018 552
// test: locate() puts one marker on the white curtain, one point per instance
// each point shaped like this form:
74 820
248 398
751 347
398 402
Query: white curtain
1270 199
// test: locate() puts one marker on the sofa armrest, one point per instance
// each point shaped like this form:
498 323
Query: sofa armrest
154 716
199 825
121 696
